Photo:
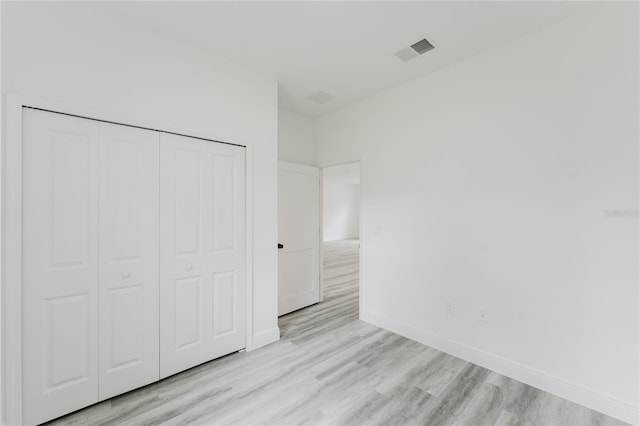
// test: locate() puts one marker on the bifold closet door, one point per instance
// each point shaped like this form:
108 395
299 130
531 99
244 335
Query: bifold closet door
60 264
202 258
90 262
129 250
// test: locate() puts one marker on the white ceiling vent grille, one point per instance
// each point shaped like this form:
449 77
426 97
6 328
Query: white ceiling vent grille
320 97
415 50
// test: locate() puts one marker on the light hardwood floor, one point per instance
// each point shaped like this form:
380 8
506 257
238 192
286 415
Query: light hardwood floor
329 368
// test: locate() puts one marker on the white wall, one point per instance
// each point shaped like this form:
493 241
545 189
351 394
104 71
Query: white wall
341 202
72 54
296 138
490 185
340 211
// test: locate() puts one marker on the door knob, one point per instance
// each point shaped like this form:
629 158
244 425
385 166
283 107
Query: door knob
126 274
188 267
280 246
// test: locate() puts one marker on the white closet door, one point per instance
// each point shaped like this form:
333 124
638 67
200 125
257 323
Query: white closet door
183 232
202 279
60 264
226 256
129 318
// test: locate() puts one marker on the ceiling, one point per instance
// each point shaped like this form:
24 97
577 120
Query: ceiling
346 49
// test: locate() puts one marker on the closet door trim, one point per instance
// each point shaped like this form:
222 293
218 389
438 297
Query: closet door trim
11 254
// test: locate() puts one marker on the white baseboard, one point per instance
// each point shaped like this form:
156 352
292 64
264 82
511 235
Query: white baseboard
264 338
532 377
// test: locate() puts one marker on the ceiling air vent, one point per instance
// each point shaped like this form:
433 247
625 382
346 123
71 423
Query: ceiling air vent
422 46
320 97
415 50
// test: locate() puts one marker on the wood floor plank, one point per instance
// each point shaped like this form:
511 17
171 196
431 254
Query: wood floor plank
329 368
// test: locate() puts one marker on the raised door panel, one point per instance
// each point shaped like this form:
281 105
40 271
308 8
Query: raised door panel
224 299
129 214
227 254
60 264
184 231
188 300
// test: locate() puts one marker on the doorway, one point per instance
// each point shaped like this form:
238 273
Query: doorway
334 219
341 195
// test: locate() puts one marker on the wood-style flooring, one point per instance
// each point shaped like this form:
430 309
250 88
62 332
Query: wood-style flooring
329 368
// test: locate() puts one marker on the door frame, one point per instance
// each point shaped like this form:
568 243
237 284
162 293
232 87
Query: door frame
11 233
360 229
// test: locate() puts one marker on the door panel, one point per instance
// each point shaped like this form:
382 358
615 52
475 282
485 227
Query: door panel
224 204
183 206
226 258
202 235
128 258
70 224
188 296
224 303
60 264
127 329
189 199
63 336
299 233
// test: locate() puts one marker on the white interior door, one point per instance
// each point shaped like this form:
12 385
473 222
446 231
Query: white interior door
60 264
299 234
129 318
202 269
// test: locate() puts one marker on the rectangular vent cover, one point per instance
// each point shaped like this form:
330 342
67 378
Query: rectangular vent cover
422 46
415 50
